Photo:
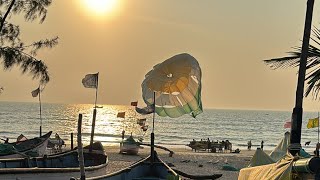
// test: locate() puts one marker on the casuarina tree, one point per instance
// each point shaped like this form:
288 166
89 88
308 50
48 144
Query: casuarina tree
13 50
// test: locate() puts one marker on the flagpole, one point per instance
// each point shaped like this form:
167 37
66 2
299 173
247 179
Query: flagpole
94 114
40 112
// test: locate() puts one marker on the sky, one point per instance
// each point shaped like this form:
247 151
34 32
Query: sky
230 40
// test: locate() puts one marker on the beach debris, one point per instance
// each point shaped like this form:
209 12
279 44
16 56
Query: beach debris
226 161
213 162
170 164
185 161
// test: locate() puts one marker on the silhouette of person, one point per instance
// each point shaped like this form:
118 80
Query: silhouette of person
249 145
262 145
209 144
123 132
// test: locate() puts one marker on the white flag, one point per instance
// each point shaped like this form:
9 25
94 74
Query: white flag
90 81
35 92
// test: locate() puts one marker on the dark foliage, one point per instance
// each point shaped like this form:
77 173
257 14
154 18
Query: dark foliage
13 51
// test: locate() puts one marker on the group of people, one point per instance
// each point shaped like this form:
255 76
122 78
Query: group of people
250 144
211 146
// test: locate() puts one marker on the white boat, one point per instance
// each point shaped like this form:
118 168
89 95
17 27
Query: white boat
31 147
60 166
129 146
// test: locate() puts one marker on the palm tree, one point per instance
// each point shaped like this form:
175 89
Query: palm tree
13 51
305 61
313 63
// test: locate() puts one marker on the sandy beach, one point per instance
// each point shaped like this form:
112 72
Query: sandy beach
183 159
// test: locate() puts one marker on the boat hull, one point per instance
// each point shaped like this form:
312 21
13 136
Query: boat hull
53 173
129 148
55 167
145 168
36 146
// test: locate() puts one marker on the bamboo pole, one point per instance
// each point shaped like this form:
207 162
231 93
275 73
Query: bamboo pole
80 150
152 133
40 112
94 115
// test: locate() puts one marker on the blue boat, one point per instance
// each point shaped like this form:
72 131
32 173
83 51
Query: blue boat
151 168
55 167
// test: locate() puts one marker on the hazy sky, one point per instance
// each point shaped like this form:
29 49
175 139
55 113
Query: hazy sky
230 39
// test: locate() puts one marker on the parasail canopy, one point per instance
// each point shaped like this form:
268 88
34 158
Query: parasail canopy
176 83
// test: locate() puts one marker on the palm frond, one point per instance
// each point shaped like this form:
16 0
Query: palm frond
313 64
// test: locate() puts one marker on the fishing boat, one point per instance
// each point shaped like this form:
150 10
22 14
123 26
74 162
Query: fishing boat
31 147
151 167
129 146
55 167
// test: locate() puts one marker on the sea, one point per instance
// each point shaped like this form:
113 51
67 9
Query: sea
237 126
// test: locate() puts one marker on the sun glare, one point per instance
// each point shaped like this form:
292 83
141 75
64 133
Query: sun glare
100 7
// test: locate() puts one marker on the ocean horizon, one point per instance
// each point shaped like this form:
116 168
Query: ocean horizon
237 126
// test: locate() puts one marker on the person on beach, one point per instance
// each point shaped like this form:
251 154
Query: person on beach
230 147
317 150
226 146
123 132
249 145
209 145
262 145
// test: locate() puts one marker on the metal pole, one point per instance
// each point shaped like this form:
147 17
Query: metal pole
295 137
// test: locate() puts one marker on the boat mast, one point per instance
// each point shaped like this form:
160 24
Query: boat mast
295 137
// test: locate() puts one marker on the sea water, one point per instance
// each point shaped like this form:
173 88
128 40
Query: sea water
237 126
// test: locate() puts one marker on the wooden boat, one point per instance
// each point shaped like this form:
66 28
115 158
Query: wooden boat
32 147
129 146
55 167
148 168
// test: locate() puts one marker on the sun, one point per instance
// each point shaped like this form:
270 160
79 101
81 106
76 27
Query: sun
100 7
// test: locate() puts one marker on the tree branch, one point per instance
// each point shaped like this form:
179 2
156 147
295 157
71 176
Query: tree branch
6 14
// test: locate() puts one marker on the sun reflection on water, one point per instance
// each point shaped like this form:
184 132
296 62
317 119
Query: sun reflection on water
108 126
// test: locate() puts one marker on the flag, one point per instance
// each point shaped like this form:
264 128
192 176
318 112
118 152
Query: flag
135 103
312 123
141 122
35 92
287 124
121 114
90 81
146 110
